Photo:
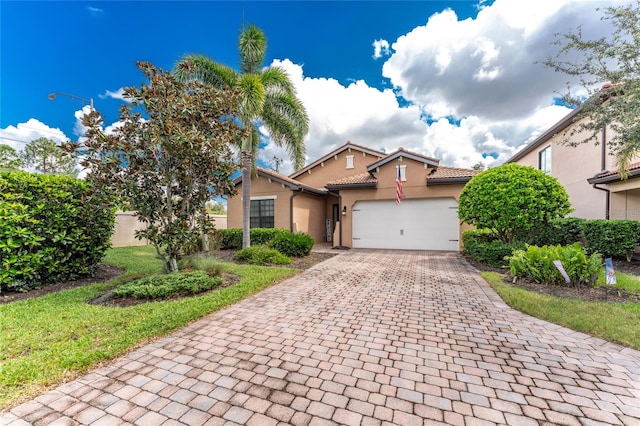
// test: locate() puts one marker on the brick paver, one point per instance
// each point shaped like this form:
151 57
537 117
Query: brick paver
367 337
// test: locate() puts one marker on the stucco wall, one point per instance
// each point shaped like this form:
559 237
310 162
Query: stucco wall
261 187
572 166
308 216
413 187
336 168
125 226
625 205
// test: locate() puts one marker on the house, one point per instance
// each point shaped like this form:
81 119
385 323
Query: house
586 170
348 198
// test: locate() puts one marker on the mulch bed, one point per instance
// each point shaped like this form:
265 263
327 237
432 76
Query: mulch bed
107 272
599 294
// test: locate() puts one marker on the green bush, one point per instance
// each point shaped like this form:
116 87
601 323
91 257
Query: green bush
562 231
167 286
262 255
286 242
484 247
512 200
52 228
231 239
536 263
293 245
615 238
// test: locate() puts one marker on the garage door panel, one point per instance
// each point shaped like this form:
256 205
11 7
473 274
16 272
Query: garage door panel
425 224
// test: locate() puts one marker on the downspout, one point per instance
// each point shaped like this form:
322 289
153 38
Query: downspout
337 195
293 195
603 167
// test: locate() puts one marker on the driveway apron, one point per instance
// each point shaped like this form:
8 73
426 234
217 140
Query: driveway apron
364 338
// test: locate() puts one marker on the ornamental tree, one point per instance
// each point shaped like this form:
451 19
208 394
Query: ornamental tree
512 200
608 68
166 164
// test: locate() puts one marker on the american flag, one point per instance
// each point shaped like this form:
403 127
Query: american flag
399 187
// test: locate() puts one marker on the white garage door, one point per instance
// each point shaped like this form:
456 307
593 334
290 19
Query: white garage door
425 224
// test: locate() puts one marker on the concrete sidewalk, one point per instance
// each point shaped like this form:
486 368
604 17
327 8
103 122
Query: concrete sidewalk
364 338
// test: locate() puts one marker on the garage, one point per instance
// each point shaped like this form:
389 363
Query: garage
414 224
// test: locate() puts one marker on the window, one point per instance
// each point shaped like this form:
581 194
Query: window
349 161
544 160
403 173
262 212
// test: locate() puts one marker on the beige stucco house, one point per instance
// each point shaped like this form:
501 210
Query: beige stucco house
348 198
586 170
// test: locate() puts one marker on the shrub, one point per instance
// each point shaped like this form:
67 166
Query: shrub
293 245
511 200
296 245
261 255
52 228
170 285
562 231
612 237
483 246
231 239
536 263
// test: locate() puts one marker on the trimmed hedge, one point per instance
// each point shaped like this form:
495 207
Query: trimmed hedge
262 255
483 246
52 228
616 238
291 244
170 285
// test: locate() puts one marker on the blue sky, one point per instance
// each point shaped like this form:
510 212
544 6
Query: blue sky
456 80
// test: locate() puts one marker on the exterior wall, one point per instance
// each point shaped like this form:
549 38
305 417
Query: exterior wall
220 220
308 216
125 226
625 204
336 168
261 187
413 187
572 166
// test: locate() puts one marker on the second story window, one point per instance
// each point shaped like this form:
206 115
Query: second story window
544 160
349 161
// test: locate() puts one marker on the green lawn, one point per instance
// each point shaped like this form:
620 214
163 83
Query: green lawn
614 322
53 338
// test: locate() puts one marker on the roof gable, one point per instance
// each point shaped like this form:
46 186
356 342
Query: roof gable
347 146
401 152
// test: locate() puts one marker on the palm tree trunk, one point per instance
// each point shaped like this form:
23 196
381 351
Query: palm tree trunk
246 197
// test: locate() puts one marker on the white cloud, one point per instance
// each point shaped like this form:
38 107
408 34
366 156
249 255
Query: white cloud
118 94
476 80
380 48
23 133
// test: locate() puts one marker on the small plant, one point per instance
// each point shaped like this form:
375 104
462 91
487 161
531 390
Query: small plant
483 246
536 263
262 255
212 266
170 285
293 245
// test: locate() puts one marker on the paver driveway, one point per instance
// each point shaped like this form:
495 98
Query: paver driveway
367 337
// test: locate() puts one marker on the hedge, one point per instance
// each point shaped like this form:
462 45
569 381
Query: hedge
52 228
483 246
288 243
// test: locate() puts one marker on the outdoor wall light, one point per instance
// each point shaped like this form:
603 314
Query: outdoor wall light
344 210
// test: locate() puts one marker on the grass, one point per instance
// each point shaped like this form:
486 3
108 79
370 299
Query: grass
614 322
53 338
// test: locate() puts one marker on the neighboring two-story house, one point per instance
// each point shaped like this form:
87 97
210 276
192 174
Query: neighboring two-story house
349 198
586 170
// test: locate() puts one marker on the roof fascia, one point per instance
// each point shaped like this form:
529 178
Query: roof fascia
448 181
403 154
335 152
633 174
352 186
559 126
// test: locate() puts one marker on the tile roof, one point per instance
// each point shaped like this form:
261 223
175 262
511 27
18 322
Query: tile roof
361 179
444 175
285 180
613 176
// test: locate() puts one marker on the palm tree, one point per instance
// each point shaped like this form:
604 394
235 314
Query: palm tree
267 97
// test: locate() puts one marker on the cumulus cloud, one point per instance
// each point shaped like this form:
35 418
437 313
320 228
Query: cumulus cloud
463 90
23 133
380 48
